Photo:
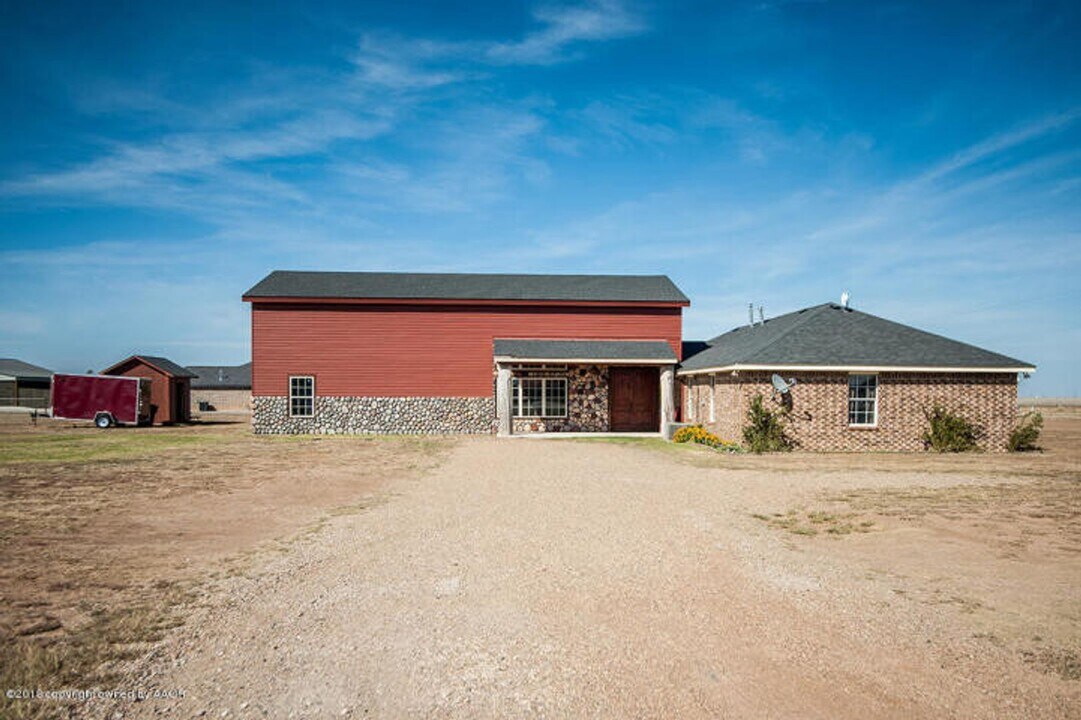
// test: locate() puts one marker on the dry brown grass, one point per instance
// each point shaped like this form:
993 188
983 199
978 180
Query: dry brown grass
813 522
104 535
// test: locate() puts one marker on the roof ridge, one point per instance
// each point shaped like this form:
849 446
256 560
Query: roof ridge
711 340
473 274
812 311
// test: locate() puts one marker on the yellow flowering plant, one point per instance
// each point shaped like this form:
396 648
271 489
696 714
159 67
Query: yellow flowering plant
698 434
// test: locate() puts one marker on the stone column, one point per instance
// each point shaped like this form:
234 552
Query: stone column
503 407
668 394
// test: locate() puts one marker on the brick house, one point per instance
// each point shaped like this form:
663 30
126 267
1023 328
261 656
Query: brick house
221 387
862 382
340 352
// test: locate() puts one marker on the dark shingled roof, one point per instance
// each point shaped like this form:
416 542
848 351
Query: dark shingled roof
23 370
446 286
164 364
833 336
560 350
221 377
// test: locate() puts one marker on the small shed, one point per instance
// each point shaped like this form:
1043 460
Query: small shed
23 384
170 386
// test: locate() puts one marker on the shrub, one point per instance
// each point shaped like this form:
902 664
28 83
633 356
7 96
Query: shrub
949 432
698 434
1025 435
765 429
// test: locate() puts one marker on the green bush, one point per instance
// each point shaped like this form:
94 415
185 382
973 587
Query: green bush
764 431
949 432
1025 435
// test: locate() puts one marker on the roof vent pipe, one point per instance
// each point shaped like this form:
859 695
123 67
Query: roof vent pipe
761 315
844 299
750 313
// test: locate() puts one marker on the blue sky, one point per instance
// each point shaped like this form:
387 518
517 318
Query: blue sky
157 159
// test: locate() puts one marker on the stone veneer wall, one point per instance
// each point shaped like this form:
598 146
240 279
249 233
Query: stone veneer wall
587 404
819 417
376 415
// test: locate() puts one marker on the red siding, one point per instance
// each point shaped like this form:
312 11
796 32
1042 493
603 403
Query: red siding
411 350
161 396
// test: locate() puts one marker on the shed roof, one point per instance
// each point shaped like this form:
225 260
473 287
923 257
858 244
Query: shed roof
832 336
221 377
10 367
459 286
636 351
165 365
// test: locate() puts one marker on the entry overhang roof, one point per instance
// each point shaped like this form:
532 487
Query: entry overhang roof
641 352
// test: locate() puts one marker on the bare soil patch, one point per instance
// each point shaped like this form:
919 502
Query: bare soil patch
483 578
104 534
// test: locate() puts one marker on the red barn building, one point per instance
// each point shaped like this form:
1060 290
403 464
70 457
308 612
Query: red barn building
170 386
337 352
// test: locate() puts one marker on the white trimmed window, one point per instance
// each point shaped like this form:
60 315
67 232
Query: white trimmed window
539 396
301 396
863 400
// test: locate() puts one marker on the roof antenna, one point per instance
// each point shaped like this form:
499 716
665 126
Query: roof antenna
750 312
844 299
761 315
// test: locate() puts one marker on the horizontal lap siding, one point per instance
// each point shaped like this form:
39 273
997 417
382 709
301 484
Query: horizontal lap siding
440 351
160 393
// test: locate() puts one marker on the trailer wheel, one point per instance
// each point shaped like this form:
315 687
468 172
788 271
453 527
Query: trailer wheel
104 420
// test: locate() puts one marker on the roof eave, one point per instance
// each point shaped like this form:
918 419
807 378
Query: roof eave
737 367
584 361
281 299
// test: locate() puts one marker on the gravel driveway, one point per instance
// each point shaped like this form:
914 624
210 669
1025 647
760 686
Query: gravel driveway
577 579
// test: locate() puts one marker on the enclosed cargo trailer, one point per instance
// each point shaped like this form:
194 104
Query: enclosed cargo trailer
106 399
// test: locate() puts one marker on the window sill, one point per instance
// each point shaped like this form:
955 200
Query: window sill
863 427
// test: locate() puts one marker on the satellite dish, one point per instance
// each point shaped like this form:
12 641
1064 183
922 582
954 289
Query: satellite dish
782 386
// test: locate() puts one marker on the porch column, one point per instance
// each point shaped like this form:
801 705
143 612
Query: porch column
668 394
503 400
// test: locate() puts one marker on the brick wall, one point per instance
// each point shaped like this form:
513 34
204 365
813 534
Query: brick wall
222 399
818 418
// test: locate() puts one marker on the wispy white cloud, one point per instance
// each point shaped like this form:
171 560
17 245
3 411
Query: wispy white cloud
998 144
219 163
186 154
565 27
965 173
474 157
407 64
628 122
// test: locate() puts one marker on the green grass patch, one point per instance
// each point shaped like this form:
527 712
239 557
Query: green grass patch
92 444
650 442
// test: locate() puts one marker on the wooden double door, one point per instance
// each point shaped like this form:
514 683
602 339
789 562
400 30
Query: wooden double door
634 399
